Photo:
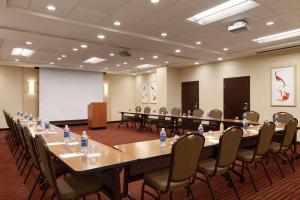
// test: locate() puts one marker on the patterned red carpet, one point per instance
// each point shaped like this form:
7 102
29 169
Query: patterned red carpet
12 187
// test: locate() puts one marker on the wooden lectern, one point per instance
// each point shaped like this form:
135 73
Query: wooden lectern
97 115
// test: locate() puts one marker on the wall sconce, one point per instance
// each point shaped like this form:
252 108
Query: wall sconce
31 88
105 88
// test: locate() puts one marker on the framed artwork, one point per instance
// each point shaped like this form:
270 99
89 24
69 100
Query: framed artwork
283 83
145 97
153 92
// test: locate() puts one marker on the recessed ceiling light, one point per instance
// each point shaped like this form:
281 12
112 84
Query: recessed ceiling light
163 34
154 1
270 23
220 58
144 66
22 52
278 36
141 58
64 56
117 23
84 46
197 63
222 11
75 49
52 63
94 60
51 7
134 74
177 50
128 70
106 68
118 65
59 58
17 60
101 37
198 43
155 57
225 49
29 43
112 54
80 65
125 63
166 62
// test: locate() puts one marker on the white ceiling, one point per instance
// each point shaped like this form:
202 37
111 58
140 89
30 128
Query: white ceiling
74 22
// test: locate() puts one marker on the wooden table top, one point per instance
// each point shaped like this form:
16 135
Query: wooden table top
103 158
152 148
224 120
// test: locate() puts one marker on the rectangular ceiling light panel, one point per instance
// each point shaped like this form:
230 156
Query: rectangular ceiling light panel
278 36
22 52
222 11
144 66
94 60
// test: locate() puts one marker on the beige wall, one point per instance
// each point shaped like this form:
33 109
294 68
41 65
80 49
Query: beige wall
211 76
121 95
14 91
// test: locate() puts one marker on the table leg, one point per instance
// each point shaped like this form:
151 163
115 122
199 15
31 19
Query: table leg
111 184
143 123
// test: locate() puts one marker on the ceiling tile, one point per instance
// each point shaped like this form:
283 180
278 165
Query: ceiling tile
104 6
86 15
18 3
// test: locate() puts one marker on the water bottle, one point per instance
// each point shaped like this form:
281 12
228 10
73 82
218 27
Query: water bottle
47 124
200 129
276 119
245 121
30 117
163 136
189 113
39 121
66 134
84 142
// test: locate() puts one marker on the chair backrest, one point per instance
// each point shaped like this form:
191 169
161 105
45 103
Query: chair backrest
147 109
21 133
265 136
162 111
290 131
138 109
198 112
45 161
252 116
283 117
175 111
215 113
185 157
31 147
228 146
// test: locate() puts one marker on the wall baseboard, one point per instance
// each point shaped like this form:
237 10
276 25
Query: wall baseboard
3 129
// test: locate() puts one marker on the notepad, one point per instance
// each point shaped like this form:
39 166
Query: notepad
213 140
93 155
71 155
279 129
55 143
210 137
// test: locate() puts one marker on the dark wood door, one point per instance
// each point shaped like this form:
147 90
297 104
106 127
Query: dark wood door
189 96
236 96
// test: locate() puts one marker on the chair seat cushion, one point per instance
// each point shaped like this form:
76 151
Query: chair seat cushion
207 166
158 179
275 147
72 187
246 155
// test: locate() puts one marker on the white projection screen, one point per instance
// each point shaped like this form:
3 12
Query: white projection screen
65 94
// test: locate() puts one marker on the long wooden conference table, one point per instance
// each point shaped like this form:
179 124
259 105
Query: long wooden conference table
135 158
174 119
